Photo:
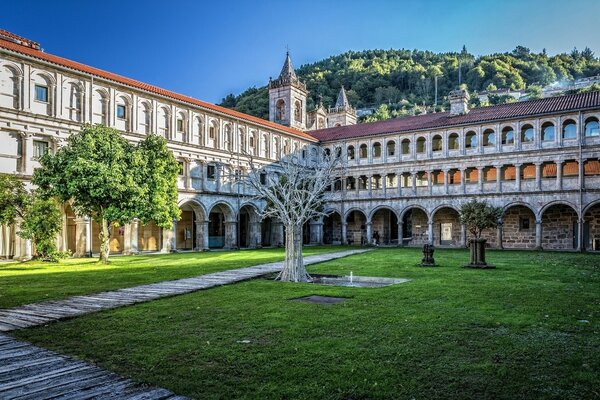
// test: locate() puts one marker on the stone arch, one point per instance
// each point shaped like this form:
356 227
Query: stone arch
47 81
519 221
415 225
100 106
591 227
453 141
250 226
12 75
332 227
222 232
560 225
356 226
164 122
384 225
280 110
447 229
145 116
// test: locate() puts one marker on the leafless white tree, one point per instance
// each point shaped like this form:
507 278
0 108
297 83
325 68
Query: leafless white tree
294 189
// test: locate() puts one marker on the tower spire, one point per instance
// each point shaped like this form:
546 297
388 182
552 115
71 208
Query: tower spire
342 99
288 69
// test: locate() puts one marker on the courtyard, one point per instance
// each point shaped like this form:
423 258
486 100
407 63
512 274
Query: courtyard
525 330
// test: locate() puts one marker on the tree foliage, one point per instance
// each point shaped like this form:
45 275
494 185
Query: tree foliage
478 216
42 222
404 78
111 180
13 198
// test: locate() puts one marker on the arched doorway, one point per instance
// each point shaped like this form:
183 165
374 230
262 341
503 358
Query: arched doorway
559 227
266 232
332 228
185 232
591 228
414 227
518 227
356 229
446 227
250 229
221 227
385 226
70 230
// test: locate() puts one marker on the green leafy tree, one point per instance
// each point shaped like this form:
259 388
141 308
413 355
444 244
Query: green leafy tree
13 198
534 92
478 216
42 222
106 178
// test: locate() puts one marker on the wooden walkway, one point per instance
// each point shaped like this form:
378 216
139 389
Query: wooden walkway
48 311
30 372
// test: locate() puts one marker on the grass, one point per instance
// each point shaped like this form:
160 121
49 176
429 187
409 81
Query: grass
23 283
528 329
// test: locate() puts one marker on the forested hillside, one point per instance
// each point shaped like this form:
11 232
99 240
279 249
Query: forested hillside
403 80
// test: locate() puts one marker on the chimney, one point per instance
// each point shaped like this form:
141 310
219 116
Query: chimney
459 102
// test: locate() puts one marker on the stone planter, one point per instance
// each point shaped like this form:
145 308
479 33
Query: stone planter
477 251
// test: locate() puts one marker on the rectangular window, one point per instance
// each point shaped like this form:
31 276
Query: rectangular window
211 172
40 148
181 166
524 224
263 179
41 93
121 111
179 125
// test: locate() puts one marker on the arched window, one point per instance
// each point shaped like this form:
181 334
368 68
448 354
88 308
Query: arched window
298 111
242 134
591 127
421 145
350 153
286 147
527 134
75 101
10 87
164 122
569 130
405 144
508 136
198 131
280 110
228 138
252 143
42 87
362 151
436 143
376 149
276 148
123 113
265 146
213 134
489 138
453 143
391 148
471 140
100 107
548 132
182 126
145 117
320 123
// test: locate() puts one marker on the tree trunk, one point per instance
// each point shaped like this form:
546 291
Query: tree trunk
104 241
293 266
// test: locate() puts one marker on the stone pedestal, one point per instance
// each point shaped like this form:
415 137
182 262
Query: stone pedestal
477 252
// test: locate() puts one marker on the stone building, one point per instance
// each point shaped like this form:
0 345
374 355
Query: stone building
406 180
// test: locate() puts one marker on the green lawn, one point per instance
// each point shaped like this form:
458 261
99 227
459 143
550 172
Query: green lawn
526 330
23 283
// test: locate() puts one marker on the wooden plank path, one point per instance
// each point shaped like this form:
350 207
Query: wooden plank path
30 372
48 311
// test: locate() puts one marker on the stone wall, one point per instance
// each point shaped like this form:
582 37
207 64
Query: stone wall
515 234
592 218
442 216
557 227
417 236
385 223
356 228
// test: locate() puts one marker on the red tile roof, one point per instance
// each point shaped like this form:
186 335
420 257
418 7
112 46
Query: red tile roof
573 102
26 49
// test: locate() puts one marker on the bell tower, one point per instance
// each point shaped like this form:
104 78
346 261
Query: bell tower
287 98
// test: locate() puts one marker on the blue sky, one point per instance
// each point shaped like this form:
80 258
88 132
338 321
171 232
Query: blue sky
209 49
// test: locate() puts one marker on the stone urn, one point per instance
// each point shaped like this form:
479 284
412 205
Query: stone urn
477 250
428 260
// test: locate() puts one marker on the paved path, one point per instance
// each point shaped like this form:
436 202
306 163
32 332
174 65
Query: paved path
48 311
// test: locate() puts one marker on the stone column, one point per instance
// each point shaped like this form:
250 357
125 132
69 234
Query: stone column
538 176
204 235
316 232
384 184
400 228
357 185
369 226
559 171
463 235
344 233
400 177
499 238
498 178
538 234
135 225
231 234
430 231
518 177
277 233
414 182
127 239
480 178
370 184
255 239
83 243
429 182
5 235
462 180
169 242
446 181
580 244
